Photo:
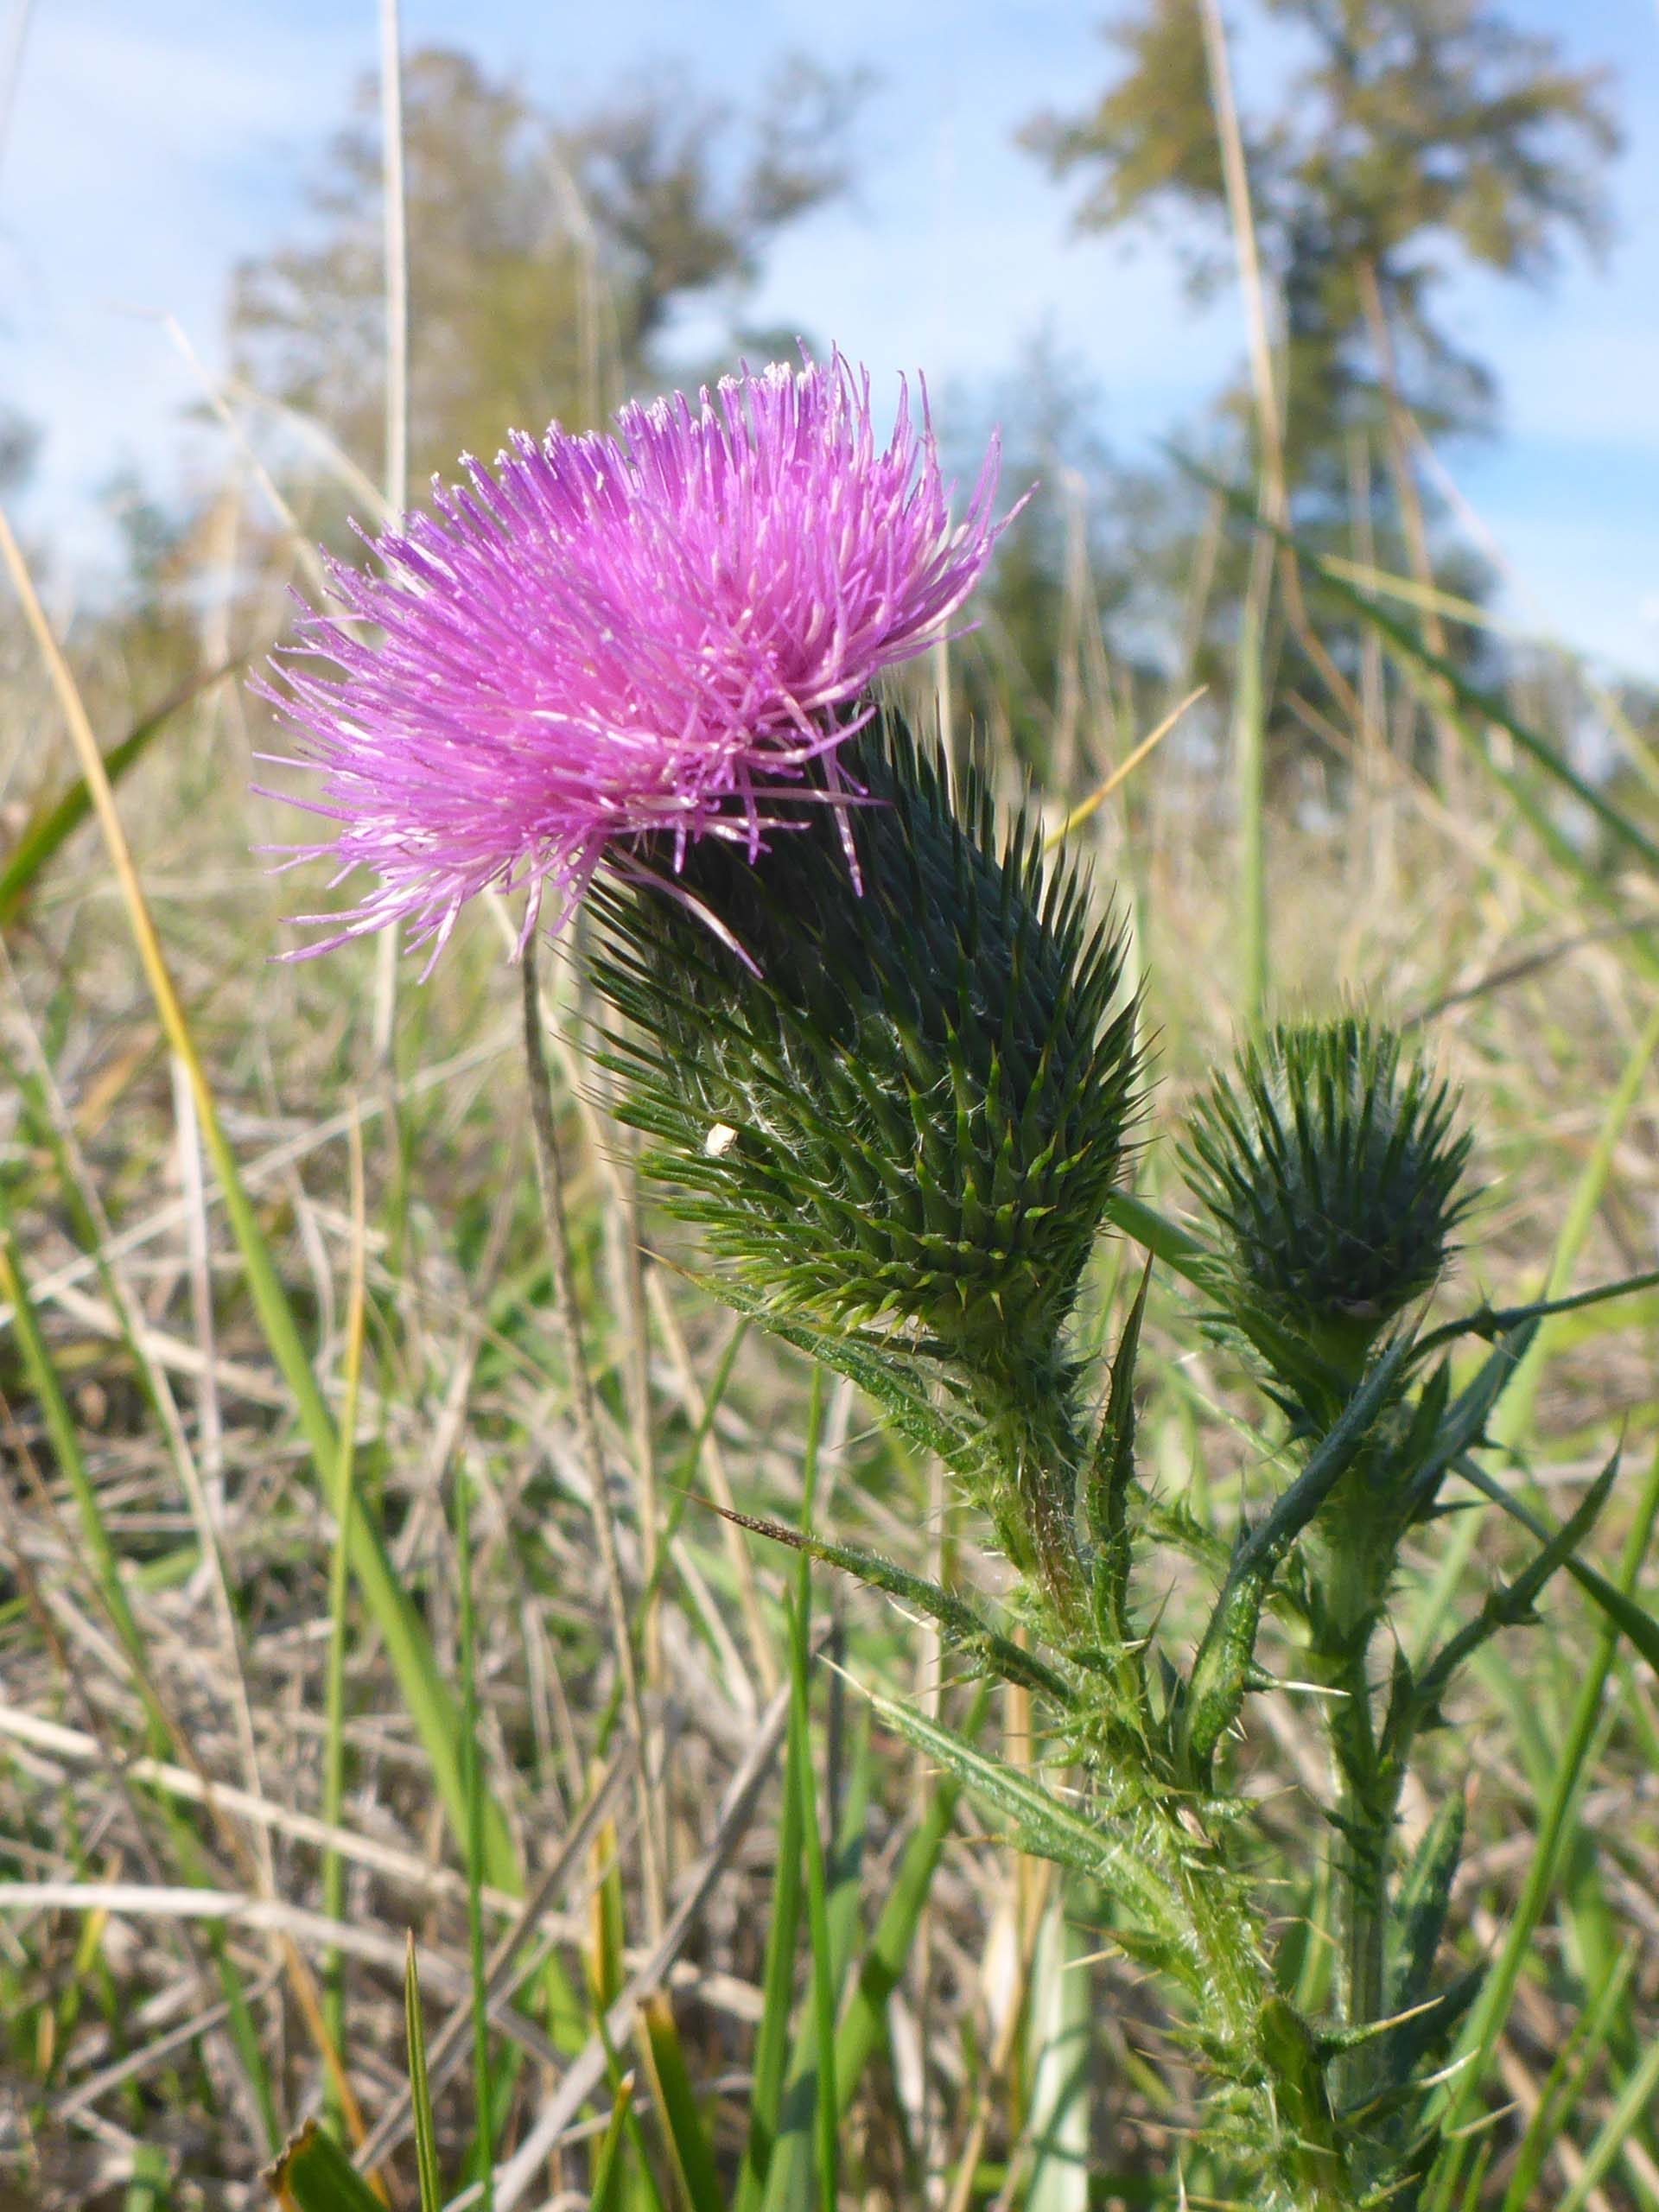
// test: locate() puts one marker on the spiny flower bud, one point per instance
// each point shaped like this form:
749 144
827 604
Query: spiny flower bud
903 1096
1331 1169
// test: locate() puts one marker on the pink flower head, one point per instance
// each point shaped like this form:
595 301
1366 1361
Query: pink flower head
610 636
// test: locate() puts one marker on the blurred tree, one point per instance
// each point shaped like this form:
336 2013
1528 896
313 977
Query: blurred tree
20 444
1391 144
547 258
1403 139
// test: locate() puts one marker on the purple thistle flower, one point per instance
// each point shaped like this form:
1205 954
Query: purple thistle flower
657 632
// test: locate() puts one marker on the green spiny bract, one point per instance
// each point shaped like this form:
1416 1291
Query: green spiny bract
914 1104
901 1110
1332 1171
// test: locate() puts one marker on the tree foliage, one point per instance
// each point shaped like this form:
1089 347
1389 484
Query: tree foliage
548 258
1405 139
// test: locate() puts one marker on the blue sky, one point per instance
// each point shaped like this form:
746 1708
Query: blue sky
151 146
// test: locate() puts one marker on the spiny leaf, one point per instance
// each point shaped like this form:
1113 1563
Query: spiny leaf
1421 1905
960 1624
1464 1423
889 1376
1049 1829
1110 1478
1511 1604
1627 1614
1227 1652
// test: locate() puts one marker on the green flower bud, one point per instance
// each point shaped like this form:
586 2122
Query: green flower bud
913 1105
896 1102
1331 1169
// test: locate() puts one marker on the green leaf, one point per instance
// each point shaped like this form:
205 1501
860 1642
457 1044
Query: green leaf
1060 2011
609 2166
890 1378
1421 1904
1178 1249
1511 1604
1110 1476
315 2175
1048 1828
777 1993
863 2024
1554 1827
1464 1423
1226 1654
1628 1614
957 1619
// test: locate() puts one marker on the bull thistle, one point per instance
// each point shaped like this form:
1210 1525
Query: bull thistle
887 1062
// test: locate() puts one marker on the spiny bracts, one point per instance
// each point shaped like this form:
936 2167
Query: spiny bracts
904 1100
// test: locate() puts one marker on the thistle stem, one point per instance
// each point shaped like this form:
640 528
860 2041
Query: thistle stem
1035 1451
1358 1558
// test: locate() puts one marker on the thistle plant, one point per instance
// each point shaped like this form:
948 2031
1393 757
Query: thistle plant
884 1055
897 1099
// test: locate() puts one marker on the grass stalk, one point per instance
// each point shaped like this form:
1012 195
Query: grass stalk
334 1761
472 1780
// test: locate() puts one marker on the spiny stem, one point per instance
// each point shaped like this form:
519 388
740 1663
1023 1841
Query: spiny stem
1359 1552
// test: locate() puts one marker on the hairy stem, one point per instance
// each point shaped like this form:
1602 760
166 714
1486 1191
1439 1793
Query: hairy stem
1358 1559
1034 1449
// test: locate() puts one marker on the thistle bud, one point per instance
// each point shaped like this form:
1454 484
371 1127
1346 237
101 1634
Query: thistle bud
1331 1169
894 1095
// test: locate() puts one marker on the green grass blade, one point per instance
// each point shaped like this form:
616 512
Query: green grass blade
827 2128
1061 2046
777 1990
101 1556
473 1786
426 1696
605 2193
1633 2104
333 1755
420 2089
54 821
1473 698
1249 790
1569 2072
863 2023
1513 1419
1555 1820
676 2101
